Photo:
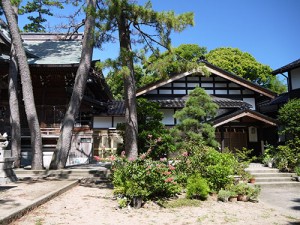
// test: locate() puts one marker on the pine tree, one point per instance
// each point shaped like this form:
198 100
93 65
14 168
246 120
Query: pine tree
193 120
128 18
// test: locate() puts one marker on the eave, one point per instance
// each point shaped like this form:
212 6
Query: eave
244 113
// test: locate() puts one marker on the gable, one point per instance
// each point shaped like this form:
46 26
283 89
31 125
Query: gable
219 83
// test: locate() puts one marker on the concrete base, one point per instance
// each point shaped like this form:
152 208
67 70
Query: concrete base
7 173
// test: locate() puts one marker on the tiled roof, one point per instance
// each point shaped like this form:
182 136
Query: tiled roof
243 113
287 67
52 50
118 108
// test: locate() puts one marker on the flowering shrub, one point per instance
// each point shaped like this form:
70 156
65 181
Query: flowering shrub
217 168
144 177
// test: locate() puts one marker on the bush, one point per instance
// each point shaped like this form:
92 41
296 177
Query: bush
224 195
217 168
144 178
197 187
288 156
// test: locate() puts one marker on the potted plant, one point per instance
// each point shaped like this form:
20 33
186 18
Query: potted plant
252 180
224 195
242 190
253 193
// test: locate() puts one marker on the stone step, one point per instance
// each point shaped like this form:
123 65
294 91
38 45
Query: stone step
262 170
273 174
272 179
71 173
279 184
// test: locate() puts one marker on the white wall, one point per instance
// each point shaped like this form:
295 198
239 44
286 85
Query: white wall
168 116
251 101
103 122
295 78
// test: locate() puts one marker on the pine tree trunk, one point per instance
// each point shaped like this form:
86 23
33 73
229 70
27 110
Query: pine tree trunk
131 130
14 105
14 110
33 123
63 146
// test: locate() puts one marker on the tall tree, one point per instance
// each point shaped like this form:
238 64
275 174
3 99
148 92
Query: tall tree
128 18
245 65
36 141
14 103
60 156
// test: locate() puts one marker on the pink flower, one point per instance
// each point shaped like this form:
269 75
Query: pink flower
143 156
97 158
123 154
112 158
159 139
163 159
169 180
171 167
131 159
185 154
167 173
149 136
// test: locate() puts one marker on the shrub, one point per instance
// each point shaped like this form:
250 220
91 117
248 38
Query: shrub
197 187
217 168
297 170
288 156
144 178
223 195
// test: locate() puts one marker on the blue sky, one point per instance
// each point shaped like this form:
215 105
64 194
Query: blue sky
267 29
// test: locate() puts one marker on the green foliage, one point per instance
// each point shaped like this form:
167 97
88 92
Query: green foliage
144 178
194 125
243 155
288 156
269 154
245 65
252 192
223 195
151 131
38 10
297 170
177 60
197 187
217 168
290 119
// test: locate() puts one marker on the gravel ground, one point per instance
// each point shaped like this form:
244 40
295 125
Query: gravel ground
94 204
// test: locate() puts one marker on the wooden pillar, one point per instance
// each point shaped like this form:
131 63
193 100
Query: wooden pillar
222 139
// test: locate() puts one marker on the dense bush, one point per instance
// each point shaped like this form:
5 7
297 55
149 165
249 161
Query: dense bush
144 178
217 168
197 187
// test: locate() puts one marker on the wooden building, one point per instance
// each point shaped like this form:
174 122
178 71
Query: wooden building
53 60
238 123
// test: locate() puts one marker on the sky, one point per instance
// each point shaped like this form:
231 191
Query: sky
267 29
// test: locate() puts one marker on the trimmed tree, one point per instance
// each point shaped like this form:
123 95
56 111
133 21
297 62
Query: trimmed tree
194 126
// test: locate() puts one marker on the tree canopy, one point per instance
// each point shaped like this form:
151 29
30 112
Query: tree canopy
245 65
